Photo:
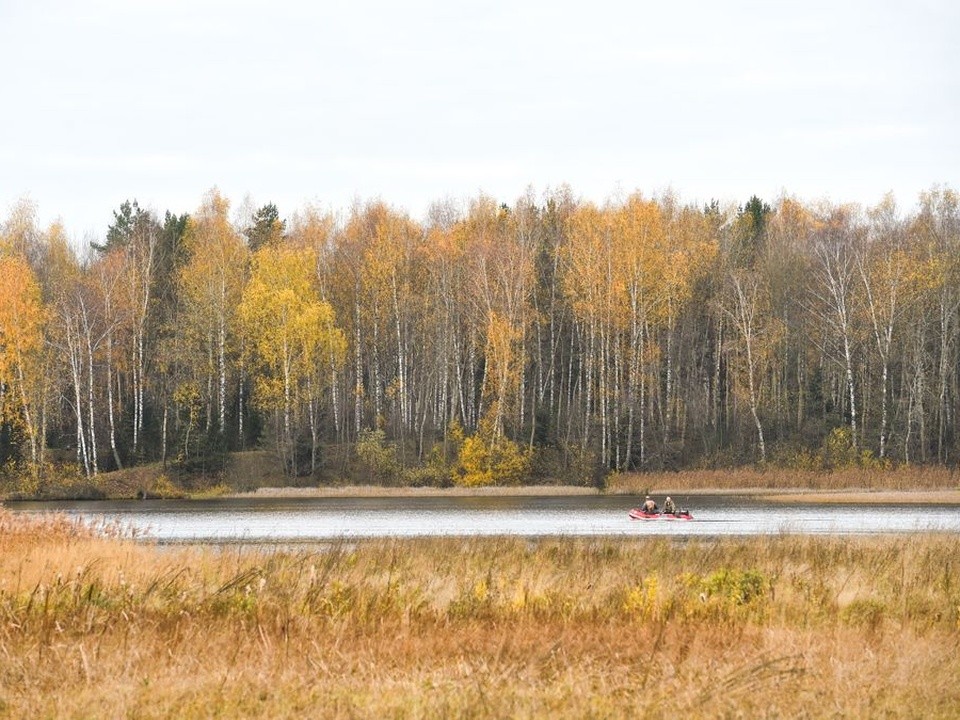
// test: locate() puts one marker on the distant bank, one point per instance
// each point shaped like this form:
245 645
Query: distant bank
255 473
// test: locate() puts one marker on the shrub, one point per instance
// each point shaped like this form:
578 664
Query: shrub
491 460
377 456
836 452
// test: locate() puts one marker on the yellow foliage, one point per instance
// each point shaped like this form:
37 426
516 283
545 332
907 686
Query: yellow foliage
634 261
22 320
487 460
288 330
642 600
165 488
21 316
211 284
473 469
837 452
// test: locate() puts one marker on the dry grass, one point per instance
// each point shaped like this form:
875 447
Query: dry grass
767 627
872 497
907 484
898 479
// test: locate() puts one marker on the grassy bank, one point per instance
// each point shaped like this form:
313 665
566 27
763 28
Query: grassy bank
780 627
256 471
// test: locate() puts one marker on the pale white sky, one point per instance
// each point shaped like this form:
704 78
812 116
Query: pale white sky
324 102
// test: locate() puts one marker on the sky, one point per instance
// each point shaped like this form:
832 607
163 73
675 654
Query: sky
326 103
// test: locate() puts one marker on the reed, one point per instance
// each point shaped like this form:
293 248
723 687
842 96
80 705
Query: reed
903 478
794 626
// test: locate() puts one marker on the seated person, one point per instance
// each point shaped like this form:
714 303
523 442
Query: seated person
649 505
669 507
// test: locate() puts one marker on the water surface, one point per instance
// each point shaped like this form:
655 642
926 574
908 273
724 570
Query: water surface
308 519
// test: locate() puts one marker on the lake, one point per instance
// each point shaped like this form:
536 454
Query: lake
228 520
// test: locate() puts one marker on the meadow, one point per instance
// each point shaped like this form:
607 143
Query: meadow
101 625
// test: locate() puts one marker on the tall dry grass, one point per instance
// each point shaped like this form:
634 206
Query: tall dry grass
769 627
900 478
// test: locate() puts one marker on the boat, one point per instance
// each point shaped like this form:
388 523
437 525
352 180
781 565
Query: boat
641 514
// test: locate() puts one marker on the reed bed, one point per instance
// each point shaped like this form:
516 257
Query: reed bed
783 626
906 478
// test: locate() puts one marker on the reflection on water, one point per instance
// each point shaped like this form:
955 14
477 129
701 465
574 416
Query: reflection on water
305 519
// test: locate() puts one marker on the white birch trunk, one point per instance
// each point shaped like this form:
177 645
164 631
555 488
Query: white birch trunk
88 343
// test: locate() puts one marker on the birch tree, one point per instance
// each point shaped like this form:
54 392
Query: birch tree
22 319
882 266
748 309
936 228
832 289
289 334
211 286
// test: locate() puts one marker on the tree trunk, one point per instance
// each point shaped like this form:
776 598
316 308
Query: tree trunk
110 412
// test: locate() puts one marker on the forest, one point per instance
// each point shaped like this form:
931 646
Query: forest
548 340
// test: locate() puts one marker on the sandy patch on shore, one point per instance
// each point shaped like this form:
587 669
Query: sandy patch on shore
377 491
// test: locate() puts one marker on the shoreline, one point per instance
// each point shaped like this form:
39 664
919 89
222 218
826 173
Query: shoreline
774 496
850 496
382 491
253 474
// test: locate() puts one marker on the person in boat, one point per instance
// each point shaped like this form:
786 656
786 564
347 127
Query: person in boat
649 505
669 507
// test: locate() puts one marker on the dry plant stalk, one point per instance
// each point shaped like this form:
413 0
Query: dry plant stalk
909 478
782 626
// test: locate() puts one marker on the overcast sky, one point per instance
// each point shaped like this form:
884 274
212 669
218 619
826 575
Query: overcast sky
417 101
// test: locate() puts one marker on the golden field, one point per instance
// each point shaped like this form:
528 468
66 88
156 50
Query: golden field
783 626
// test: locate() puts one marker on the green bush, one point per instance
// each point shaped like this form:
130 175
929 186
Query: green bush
377 457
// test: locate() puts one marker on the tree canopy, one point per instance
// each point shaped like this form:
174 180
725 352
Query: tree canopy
549 337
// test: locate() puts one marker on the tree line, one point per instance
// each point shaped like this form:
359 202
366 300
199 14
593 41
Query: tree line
550 338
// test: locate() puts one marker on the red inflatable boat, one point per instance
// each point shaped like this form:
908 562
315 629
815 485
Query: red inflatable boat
641 514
